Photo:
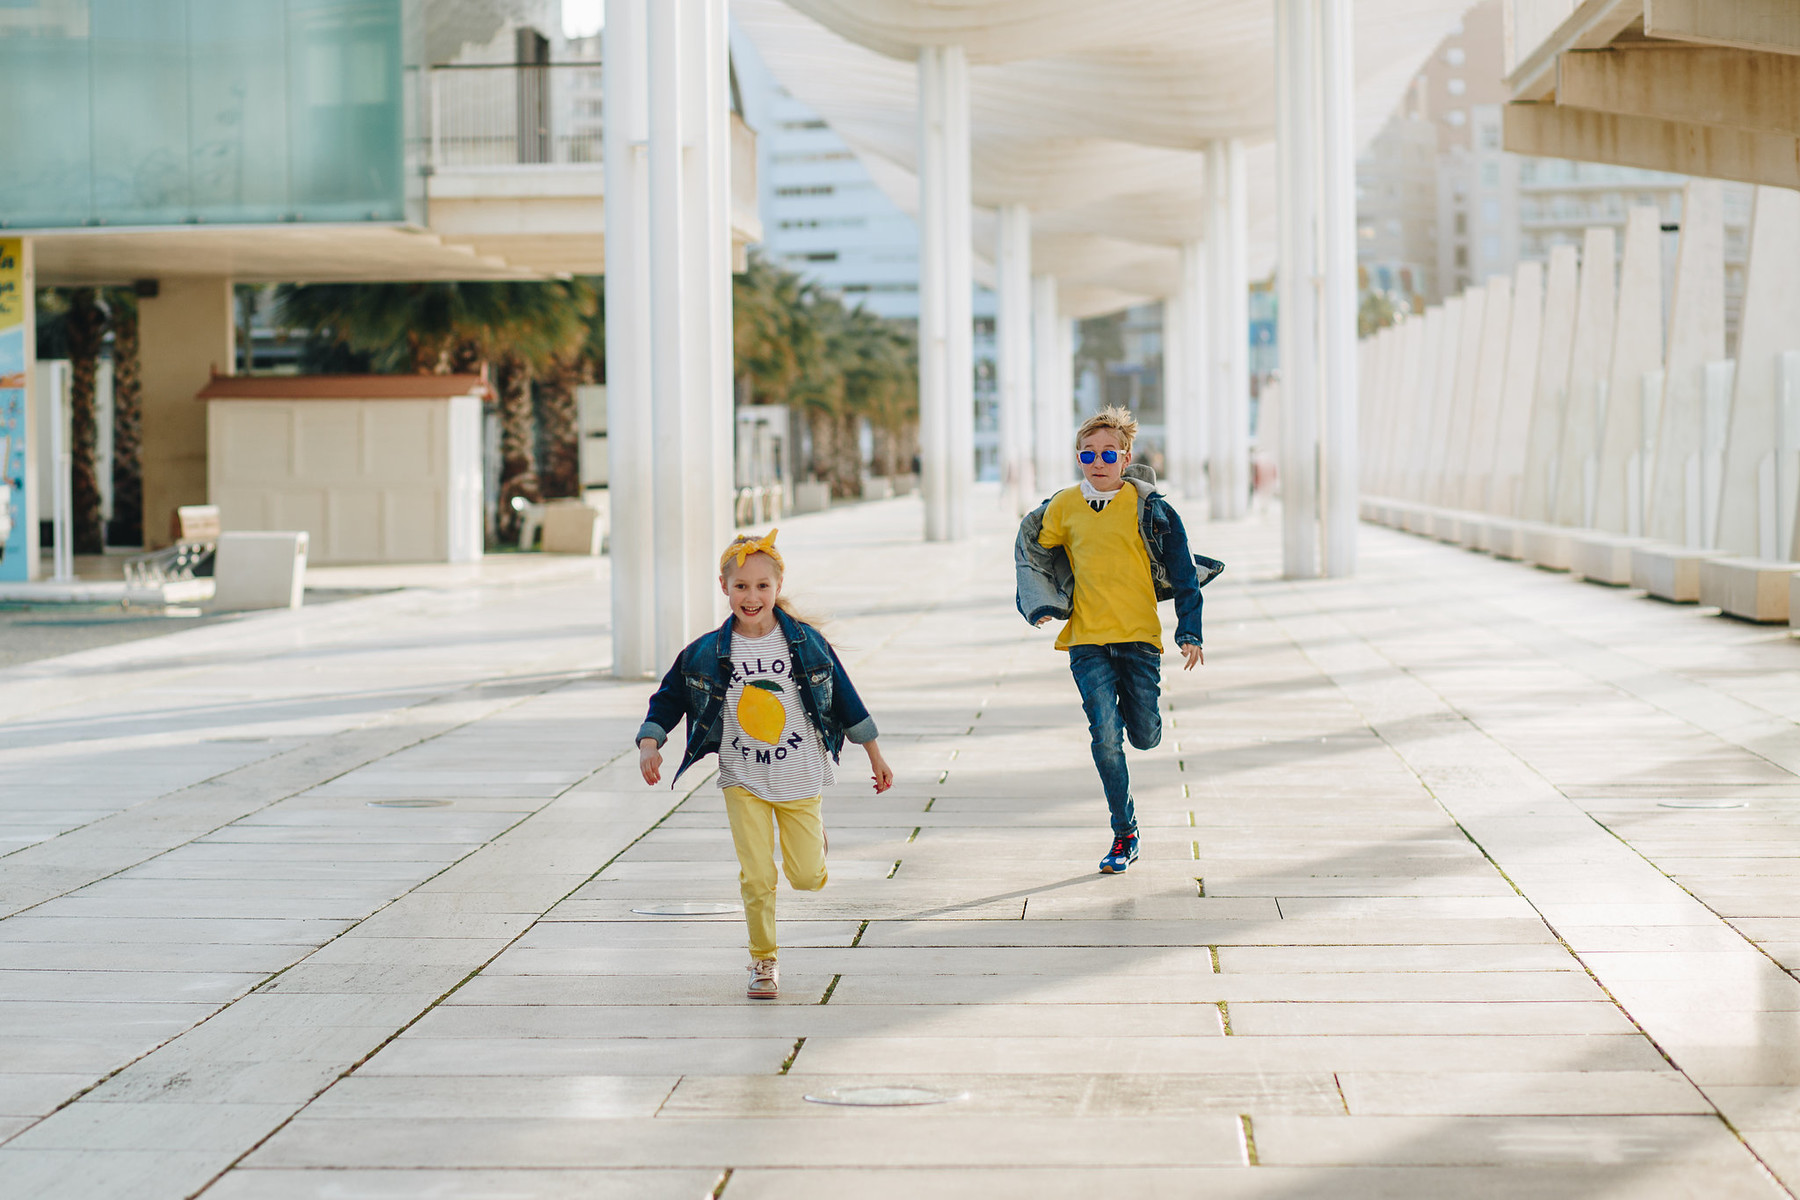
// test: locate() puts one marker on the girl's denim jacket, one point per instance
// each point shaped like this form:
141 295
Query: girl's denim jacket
695 688
1047 583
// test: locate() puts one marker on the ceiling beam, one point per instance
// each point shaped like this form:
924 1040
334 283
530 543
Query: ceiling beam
1687 148
1735 89
1772 25
1593 25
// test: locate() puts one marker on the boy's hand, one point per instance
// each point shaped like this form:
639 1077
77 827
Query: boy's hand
1195 656
883 774
1043 621
650 760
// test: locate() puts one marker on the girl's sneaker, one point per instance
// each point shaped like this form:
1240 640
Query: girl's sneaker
765 980
1124 852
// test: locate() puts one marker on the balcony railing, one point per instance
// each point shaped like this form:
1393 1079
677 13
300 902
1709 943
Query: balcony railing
504 115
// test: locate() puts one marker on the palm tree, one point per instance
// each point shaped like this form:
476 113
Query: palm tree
84 324
541 322
518 327
882 381
797 345
767 305
127 469
583 362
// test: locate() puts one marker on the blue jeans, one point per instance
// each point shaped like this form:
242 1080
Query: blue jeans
1120 684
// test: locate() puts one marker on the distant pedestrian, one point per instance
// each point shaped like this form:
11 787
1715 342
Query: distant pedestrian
765 691
1100 555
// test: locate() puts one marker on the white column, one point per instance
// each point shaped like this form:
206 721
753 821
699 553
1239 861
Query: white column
1013 333
946 351
708 472
1064 397
670 515
628 340
1173 476
1227 382
1339 440
685 282
1191 332
1296 135
1054 392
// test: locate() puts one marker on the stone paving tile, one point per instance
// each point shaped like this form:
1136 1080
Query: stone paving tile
755 1141
1399 917
1663 1181
335 1184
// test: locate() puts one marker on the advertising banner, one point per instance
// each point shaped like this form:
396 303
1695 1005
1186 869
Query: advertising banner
15 301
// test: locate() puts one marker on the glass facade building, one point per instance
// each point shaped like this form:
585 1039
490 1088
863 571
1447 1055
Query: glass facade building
169 112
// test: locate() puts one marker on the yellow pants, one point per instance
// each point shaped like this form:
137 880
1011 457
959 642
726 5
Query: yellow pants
753 823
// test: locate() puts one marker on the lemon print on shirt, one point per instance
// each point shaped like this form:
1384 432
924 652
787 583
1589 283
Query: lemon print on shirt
759 711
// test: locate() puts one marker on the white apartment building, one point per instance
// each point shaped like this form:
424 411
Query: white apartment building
1492 208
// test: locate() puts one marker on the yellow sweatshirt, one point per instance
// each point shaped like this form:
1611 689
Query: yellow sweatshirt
1115 600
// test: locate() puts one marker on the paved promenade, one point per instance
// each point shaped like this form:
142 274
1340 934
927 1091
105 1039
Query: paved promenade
1460 880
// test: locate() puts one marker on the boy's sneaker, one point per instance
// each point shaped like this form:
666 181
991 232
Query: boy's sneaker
765 980
1124 852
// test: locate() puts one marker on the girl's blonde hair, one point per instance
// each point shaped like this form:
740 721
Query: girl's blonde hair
739 551
1119 420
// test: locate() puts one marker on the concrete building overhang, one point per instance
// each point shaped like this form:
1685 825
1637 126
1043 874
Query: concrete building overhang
511 221
1698 87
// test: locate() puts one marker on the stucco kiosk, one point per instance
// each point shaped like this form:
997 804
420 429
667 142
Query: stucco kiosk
375 468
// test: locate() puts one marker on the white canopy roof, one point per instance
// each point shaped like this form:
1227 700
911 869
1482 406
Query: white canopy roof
1094 114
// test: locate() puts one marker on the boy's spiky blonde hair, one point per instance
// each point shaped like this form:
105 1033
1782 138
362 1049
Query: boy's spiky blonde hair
1119 420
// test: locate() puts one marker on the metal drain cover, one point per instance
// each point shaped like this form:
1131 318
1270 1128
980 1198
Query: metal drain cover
883 1097
409 804
687 910
1702 804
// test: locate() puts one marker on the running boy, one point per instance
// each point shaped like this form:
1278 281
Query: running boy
1099 556
767 692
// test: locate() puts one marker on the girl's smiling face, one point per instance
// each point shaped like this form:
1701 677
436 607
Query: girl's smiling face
752 590
1102 475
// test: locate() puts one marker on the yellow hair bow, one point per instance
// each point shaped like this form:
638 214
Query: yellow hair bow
745 546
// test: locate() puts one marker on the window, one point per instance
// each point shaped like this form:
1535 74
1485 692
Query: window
799 125
1490 212
1457 86
1490 247
1457 117
1455 56
815 189
1490 175
1490 137
1462 224
1462 256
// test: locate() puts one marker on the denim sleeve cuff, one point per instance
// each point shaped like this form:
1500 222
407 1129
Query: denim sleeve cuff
862 731
1188 639
652 730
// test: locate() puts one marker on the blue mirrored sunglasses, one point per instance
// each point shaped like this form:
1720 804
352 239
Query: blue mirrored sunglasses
1106 456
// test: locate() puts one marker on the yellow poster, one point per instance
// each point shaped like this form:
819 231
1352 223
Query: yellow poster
12 282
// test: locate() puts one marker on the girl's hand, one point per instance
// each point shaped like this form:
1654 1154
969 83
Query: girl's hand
650 761
884 774
1195 656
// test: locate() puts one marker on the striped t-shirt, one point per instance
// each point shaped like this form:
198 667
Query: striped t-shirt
768 745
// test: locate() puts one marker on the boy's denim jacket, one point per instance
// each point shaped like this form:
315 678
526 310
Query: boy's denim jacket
1047 583
695 688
